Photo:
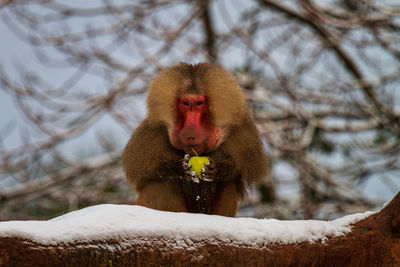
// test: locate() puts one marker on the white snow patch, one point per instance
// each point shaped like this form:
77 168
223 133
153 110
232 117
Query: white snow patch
124 222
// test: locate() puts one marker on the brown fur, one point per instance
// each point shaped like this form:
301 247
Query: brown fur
153 165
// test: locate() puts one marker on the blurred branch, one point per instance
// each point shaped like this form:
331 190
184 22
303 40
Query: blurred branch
209 32
333 42
39 187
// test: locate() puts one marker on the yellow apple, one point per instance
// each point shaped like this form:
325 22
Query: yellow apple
197 164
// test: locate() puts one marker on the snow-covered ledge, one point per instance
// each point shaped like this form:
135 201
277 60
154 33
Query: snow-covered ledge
122 222
123 235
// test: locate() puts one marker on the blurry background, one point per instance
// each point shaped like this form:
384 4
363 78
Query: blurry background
321 77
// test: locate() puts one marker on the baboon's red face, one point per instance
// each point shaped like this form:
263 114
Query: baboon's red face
194 129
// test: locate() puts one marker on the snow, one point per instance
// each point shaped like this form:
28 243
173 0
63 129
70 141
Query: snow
126 222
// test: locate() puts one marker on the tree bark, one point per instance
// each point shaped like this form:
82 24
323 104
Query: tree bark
373 241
